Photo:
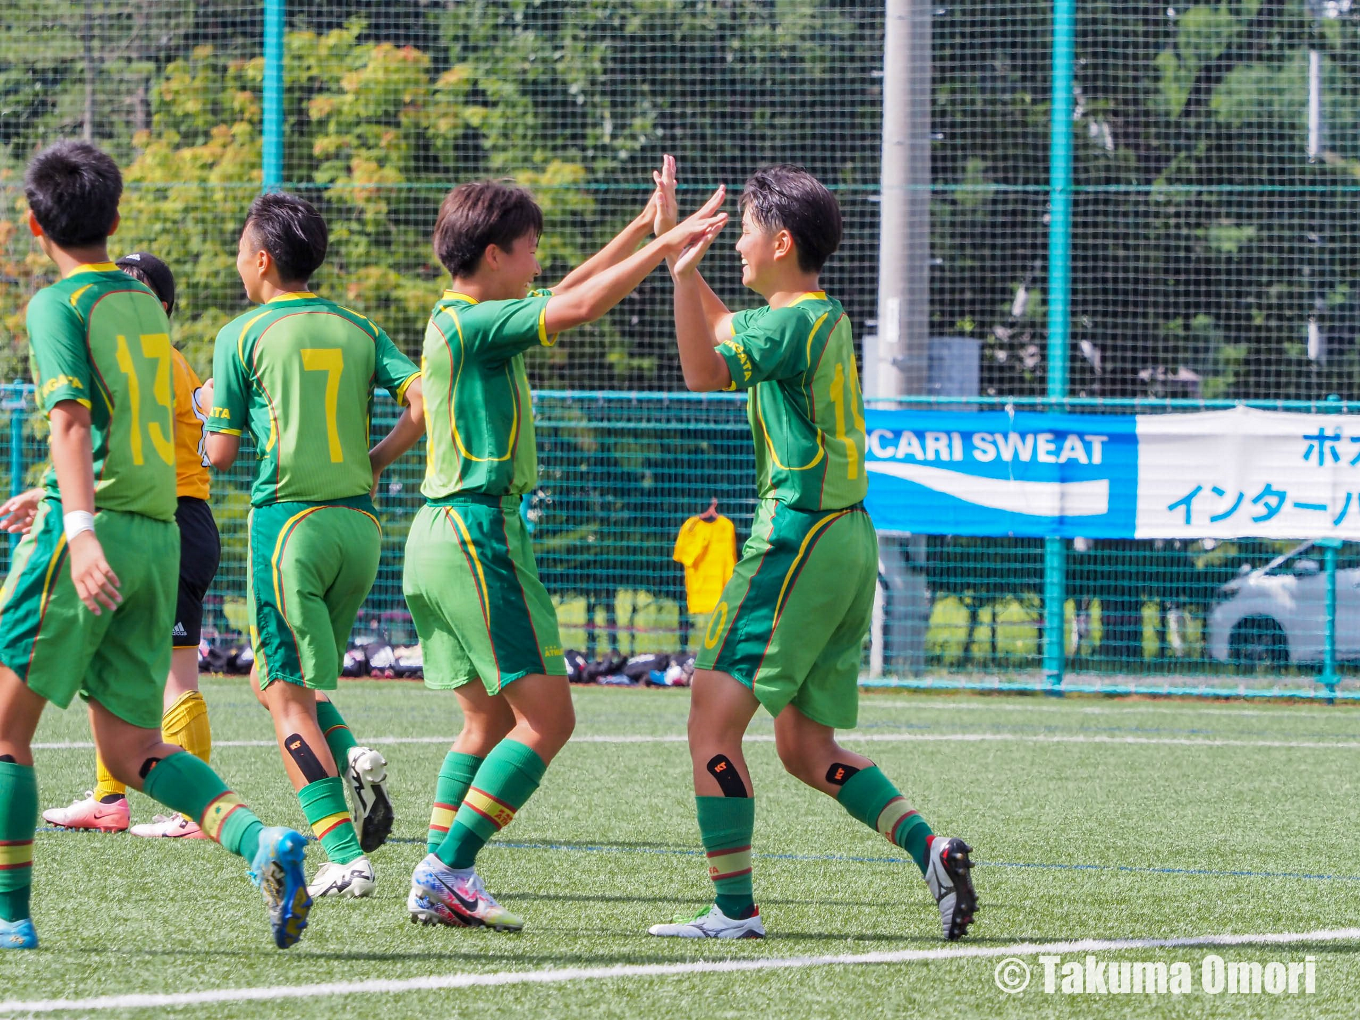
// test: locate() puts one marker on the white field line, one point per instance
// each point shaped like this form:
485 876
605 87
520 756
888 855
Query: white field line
992 704
849 737
559 975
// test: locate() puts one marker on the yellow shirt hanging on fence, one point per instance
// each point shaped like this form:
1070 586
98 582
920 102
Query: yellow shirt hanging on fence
708 549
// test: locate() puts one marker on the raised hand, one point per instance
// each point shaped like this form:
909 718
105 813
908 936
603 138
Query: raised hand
665 210
689 259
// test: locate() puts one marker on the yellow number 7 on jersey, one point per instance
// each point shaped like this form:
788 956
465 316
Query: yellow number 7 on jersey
330 360
155 346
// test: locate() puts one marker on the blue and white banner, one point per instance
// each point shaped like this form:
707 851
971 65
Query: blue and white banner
1224 474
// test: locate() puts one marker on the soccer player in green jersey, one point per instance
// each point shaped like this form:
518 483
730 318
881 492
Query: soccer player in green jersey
487 628
790 626
298 372
90 596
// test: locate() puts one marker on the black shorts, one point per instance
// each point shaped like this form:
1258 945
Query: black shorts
199 550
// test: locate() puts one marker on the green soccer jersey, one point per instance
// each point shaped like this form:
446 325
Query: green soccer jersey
805 406
299 373
477 413
102 339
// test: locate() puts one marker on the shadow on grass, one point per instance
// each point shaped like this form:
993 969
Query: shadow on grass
677 902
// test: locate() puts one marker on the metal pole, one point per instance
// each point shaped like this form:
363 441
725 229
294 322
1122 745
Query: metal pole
1059 306
1329 677
895 361
271 148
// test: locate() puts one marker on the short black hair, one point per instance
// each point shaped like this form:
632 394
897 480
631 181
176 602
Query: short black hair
474 216
292 231
785 196
143 266
73 189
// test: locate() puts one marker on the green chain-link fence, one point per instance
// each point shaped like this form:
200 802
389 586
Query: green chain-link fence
1214 245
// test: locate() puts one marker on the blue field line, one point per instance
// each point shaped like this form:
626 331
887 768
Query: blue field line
591 848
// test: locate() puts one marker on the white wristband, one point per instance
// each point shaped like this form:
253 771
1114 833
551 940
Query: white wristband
76 522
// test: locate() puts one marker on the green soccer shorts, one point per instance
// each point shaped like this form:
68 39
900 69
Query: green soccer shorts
792 620
474 594
311 566
60 649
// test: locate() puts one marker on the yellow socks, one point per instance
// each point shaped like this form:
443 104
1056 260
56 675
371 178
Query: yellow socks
185 725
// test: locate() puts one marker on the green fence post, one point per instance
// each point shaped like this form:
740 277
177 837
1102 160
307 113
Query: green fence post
1059 302
1329 677
271 140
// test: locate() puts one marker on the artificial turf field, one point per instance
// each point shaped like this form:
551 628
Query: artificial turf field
1090 819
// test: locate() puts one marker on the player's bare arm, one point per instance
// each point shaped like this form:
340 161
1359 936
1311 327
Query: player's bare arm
704 369
592 299
73 459
222 449
408 430
666 208
618 249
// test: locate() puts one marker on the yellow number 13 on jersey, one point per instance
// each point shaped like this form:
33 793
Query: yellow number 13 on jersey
154 347
330 360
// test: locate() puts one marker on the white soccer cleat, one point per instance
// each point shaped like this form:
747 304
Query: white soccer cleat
354 879
949 881
366 772
457 898
174 826
711 923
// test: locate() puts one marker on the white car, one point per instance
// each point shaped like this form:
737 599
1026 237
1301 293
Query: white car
1276 614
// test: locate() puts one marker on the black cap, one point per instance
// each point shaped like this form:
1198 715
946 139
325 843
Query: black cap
154 273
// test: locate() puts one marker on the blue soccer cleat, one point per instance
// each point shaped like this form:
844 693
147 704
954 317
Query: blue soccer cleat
18 934
277 870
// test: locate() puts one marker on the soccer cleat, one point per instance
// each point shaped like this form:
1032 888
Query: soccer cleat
366 772
950 883
711 923
441 895
176 826
277 870
354 879
88 813
18 934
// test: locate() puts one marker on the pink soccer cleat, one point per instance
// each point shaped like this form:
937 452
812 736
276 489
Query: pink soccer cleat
90 814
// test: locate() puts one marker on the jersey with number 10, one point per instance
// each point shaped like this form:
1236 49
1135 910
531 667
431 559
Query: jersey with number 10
101 338
299 373
805 406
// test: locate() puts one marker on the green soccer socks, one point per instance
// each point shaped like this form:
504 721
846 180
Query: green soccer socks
323 802
337 733
870 797
185 784
18 823
455 776
726 825
506 779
